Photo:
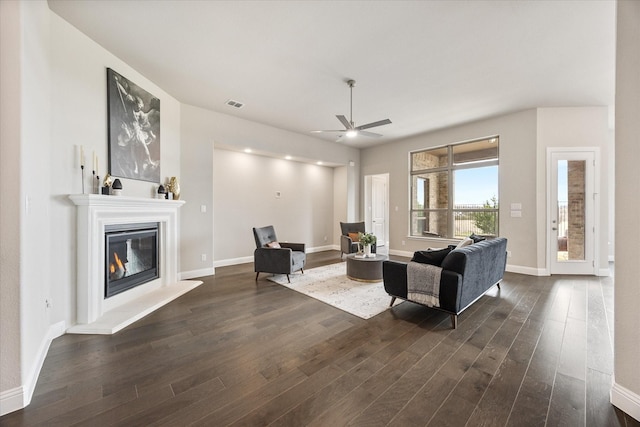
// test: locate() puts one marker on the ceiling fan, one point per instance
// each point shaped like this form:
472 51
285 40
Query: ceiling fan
351 130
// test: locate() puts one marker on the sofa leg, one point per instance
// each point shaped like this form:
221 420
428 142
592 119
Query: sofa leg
499 285
257 274
454 321
288 280
393 299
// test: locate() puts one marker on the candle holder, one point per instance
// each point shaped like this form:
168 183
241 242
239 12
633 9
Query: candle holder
82 173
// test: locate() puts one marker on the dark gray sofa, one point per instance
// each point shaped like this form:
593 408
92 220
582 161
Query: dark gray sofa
467 274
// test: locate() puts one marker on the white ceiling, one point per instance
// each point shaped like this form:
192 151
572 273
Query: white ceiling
423 64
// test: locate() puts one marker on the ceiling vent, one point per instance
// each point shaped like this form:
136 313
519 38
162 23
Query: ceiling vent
235 104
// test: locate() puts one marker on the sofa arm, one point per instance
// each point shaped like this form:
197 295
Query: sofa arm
345 244
299 247
272 260
394 275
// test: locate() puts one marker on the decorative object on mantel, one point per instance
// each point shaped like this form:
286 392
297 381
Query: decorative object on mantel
174 187
116 188
134 130
161 192
82 166
367 239
106 185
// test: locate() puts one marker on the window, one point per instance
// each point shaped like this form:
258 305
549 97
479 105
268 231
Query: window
454 190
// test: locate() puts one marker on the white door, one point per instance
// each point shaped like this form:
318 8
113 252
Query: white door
379 208
571 226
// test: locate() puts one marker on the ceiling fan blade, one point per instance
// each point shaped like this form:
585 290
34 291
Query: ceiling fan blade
374 124
345 122
371 134
328 131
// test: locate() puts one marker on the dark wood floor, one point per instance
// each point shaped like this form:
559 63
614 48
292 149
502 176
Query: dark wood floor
538 352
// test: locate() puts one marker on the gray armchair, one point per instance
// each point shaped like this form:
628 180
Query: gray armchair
347 245
276 257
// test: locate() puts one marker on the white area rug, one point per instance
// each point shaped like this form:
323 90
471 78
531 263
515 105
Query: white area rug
331 285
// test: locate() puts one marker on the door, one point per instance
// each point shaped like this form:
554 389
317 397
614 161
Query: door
571 212
379 208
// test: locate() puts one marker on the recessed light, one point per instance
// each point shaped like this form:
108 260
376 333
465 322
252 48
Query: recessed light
247 150
319 163
287 157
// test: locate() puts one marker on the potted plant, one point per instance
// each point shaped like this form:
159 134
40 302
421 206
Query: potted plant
367 239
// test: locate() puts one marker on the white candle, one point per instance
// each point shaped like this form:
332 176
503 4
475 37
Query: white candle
81 155
95 161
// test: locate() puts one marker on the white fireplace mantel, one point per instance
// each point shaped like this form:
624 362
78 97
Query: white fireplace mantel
97 315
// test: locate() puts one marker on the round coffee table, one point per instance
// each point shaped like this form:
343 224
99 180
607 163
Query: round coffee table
365 269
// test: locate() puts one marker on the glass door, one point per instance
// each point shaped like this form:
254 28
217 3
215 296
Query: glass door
571 228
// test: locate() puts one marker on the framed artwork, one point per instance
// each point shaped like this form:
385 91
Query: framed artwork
134 130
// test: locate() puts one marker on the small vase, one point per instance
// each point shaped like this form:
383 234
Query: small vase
174 187
367 251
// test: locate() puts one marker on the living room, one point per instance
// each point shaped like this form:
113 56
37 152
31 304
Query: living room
227 191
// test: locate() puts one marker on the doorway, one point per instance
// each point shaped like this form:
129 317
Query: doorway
376 199
572 214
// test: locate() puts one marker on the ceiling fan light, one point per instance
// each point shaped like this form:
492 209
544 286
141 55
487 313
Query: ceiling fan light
351 133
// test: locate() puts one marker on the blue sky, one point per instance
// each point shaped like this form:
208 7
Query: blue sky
476 186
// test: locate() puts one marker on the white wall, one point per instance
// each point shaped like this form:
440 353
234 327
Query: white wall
576 127
524 137
245 197
36 172
10 202
219 184
626 388
60 104
517 183
79 111
196 187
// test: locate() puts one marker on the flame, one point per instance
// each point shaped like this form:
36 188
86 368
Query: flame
119 265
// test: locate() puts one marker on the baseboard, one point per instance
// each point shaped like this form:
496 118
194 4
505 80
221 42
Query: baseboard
186 275
529 271
625 400
12 400
322 249
232 261
400 253
19 397
249 259
604 272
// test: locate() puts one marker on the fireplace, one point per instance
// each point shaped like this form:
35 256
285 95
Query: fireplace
133 223
131 252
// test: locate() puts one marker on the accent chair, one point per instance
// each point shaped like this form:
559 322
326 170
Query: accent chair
272 256
348 238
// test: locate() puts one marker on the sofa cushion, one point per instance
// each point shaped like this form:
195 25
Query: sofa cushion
355 237
431 256
464 242
476 238
273 245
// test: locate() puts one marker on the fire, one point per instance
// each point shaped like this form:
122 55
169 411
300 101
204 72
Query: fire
116 270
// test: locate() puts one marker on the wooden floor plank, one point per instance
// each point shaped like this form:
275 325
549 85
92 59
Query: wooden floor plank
235 351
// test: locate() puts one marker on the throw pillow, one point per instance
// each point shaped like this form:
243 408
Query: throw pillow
355 237
476 238
432 256
273 245
465 242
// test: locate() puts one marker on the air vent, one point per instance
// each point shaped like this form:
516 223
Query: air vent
235 104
